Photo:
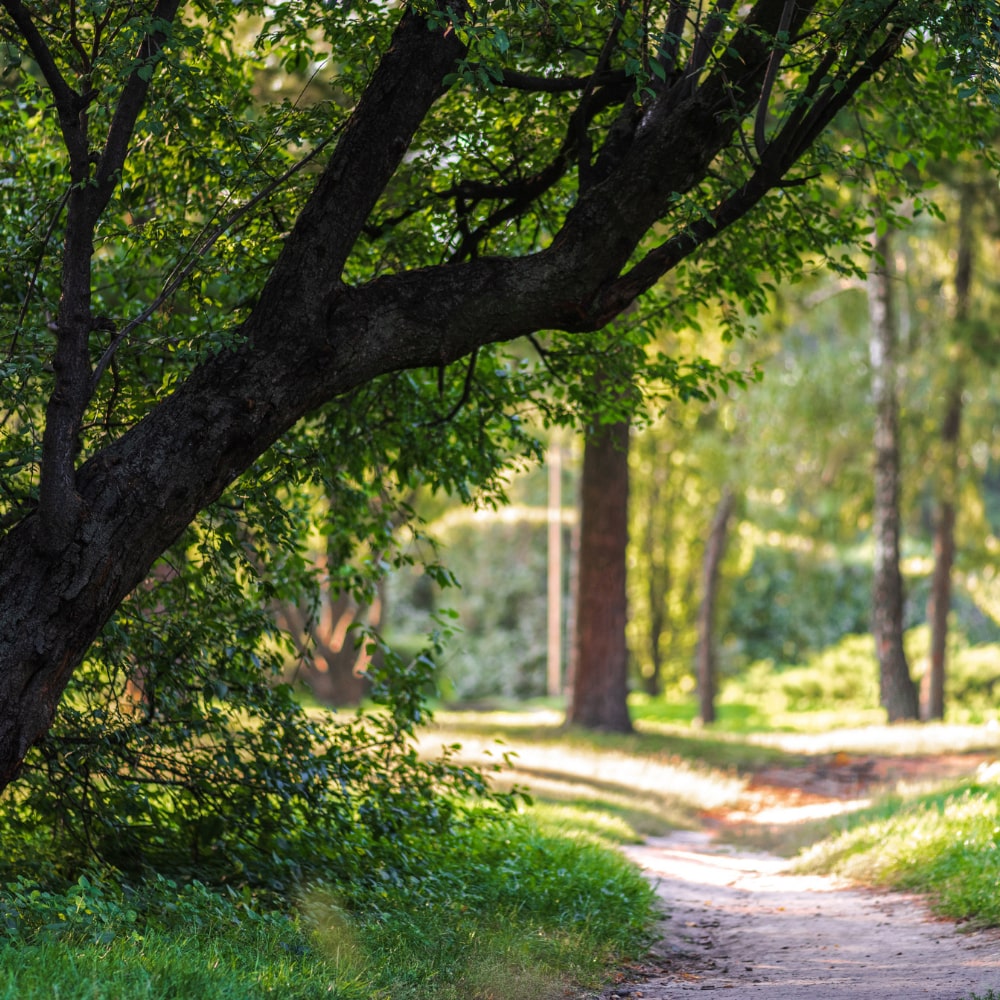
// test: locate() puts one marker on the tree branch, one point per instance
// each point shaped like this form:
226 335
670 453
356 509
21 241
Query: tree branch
673 34
523 192
405 85
69 103
558 84
705 39
202 245
131 102
782 153
63 93
760 141
466 392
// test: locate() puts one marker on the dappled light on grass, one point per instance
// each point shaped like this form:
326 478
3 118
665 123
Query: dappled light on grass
651 793
945 842
914 738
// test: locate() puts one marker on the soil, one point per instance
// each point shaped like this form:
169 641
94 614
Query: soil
737 920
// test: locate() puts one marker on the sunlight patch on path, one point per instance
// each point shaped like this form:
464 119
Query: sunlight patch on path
580 771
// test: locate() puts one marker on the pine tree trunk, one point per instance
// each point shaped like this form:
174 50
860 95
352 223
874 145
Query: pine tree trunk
598 696
715 548
898 692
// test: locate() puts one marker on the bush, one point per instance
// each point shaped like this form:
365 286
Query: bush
176 746
499 647
845 675
789 604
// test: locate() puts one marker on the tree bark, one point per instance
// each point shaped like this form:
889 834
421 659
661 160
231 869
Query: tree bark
310 339
705 656
599 692
898 692
653 515
939 601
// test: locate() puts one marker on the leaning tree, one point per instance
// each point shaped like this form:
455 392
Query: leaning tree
199 265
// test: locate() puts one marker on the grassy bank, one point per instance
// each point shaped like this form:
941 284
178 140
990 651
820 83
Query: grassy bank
515 909
521 907
944 843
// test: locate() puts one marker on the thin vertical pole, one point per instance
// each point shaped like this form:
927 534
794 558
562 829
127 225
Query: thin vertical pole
554 680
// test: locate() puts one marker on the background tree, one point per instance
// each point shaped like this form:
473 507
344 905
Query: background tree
899 695
705 658
946 499
599 684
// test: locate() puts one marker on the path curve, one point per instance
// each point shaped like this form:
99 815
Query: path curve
739 922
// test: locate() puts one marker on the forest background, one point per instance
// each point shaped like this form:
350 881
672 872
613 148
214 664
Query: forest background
793 454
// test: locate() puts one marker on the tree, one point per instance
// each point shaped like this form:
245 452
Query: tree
705 657
946 500
599 685
898 692
230 277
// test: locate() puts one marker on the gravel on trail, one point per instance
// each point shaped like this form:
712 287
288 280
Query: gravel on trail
740 922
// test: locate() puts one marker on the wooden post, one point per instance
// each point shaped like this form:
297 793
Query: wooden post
554 676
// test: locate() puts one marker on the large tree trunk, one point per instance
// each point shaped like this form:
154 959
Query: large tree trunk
898 692
310 338
939 601
705 656
598 696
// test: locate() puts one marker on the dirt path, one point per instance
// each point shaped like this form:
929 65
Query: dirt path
738 921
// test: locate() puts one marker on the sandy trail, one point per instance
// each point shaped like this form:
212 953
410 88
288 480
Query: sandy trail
737 921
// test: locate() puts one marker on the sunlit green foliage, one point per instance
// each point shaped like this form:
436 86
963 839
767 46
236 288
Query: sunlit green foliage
175 742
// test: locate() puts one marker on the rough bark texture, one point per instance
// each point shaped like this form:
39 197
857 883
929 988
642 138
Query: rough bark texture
705 657
598 695
310 339
898 692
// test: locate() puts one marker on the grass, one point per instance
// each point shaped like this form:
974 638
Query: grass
524 907
517 908
944 843
98 939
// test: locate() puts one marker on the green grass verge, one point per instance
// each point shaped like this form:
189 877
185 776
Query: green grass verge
945 844
516 908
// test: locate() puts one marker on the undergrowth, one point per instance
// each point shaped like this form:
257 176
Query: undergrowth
495 911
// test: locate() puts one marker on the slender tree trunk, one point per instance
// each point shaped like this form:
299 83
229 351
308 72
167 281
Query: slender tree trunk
598 699
938 606
898 692
657 576
705 656
939 602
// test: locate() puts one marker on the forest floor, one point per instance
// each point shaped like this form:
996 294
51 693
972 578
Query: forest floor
736 919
